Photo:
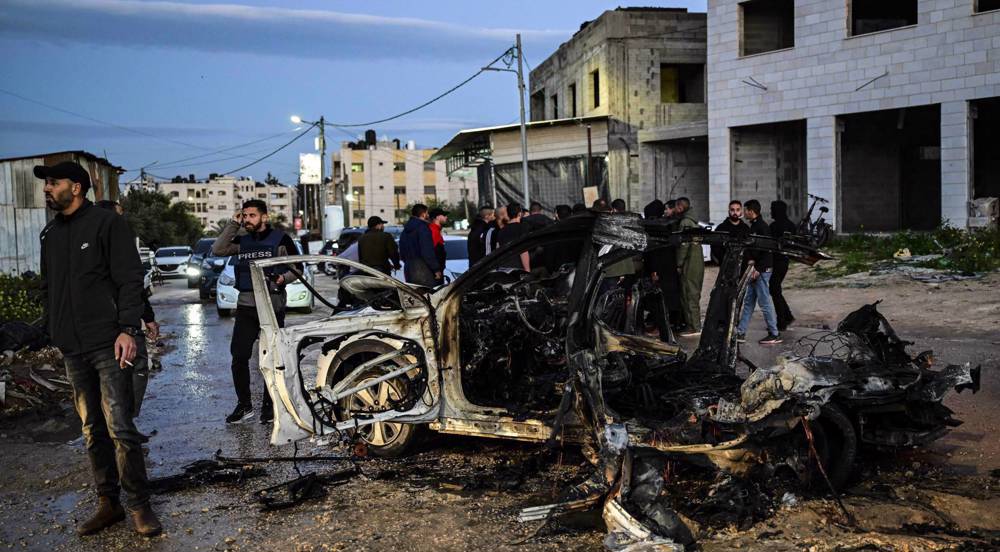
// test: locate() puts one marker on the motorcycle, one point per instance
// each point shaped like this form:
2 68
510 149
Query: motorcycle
817 232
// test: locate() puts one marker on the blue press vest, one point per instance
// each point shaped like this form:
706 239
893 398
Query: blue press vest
252 249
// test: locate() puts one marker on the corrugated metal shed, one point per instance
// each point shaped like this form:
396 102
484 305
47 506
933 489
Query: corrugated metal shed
23 214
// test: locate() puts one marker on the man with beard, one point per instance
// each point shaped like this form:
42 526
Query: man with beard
257 241
733 225
91 295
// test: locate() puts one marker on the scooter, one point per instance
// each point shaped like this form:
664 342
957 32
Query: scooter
817 232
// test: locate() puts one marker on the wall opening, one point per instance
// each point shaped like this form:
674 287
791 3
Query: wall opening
554 100
870 16
571 97
987 5
766 25
537 106
769 163
986 148
890 170
682 83
595 88
676 168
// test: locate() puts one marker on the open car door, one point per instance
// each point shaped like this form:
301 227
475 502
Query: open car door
373 370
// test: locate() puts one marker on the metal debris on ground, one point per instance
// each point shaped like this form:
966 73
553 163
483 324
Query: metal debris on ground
306 487
33 380
204 472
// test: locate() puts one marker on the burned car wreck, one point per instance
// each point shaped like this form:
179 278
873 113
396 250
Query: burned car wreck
563 355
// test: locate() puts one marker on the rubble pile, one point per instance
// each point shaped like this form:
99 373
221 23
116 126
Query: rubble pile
32 381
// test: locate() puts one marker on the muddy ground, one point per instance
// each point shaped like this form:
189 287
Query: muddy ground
463 494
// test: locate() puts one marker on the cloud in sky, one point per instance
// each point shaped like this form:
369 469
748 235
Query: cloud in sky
275 31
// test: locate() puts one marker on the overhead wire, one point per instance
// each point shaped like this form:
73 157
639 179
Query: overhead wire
285 145
425 104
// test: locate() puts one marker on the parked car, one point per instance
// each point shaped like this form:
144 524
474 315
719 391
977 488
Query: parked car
202 249
171 262
211 267
298 297
560 356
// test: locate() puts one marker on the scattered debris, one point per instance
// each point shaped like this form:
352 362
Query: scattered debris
204 472
296 491
33 381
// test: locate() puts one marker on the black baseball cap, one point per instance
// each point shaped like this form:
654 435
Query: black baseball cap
437 211
66 169
375 221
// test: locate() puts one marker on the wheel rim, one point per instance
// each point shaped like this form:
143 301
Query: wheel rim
375 399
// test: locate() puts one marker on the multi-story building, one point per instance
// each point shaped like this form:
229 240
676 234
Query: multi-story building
382 178
888 109
217 198
643 69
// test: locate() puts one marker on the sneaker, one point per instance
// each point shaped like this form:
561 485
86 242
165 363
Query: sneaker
770 340
741 338
267 415
241 413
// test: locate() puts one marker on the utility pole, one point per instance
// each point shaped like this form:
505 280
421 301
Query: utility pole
586 171
524 132
322 175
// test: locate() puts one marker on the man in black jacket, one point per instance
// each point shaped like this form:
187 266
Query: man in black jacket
257 241
92 300
782 225
733 225
477 234
758 292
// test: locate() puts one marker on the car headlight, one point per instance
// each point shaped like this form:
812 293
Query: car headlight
227 280
192 271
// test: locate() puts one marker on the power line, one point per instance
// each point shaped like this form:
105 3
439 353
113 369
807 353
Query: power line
222 150
285 145
210 151
425 104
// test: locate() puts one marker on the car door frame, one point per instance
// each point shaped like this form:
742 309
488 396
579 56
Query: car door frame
279 348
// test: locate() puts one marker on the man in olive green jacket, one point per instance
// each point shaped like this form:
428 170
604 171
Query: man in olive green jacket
691 265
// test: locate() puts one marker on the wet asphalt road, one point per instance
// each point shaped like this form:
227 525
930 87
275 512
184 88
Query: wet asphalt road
45 486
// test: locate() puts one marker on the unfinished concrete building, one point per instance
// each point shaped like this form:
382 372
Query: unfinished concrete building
644 69
887 108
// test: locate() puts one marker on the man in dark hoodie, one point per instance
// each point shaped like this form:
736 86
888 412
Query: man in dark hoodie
416 248
733 225
91 296
782 225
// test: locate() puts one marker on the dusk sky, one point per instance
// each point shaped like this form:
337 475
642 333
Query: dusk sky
180 79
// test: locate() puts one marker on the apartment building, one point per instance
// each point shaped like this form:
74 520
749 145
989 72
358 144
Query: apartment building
382 177
890 109
219 197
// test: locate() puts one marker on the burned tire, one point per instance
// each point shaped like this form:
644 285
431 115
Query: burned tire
384 439
840 444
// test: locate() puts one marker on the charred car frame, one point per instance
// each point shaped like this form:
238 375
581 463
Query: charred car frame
562 355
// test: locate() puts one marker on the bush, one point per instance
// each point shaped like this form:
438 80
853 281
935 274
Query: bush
964 251
19 298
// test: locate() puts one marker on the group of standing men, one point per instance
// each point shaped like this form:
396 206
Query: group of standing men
767 270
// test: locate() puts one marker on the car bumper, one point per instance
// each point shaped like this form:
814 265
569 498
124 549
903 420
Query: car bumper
226 297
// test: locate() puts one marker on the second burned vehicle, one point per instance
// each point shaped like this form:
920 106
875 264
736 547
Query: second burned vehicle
562 354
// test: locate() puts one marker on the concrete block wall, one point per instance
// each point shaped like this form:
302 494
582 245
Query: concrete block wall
951 56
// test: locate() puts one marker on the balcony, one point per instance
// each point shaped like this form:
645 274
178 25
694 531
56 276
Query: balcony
669 114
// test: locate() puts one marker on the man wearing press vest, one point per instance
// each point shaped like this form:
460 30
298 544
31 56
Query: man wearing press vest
249 237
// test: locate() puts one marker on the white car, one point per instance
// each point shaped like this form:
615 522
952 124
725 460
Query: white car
456 257
171 262
298 297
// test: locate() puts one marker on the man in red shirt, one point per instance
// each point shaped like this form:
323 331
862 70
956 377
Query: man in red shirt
438 218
